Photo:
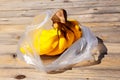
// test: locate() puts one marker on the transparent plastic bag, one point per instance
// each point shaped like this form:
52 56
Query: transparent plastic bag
80 50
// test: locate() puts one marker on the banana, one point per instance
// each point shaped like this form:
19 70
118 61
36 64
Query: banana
47 41
53 42
76 29
78 32
70 38
60 47
36 35
43 42
48 45
65 42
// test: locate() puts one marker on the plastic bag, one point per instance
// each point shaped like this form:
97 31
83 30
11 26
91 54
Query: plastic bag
80 50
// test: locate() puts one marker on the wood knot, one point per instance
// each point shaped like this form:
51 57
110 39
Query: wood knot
14 55
95 9
17 37
66 1
20 77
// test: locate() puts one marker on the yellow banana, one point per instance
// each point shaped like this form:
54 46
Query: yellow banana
48 40
43 42
48 45
60 47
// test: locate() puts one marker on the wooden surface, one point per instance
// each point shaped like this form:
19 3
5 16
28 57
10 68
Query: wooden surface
101 16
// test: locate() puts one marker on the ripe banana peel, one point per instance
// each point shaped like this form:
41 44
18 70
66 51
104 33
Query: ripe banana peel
53 42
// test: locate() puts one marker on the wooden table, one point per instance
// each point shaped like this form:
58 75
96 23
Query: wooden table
101 16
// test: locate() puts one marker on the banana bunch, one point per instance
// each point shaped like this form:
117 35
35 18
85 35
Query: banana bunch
54 41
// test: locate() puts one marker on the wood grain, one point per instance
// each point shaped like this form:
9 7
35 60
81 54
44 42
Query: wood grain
110 65
21 5
81 18
84 74
101 16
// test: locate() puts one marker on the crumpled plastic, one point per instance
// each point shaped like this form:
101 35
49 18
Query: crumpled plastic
80 50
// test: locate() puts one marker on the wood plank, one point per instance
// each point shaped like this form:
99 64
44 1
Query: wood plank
8 49
102 71
95 26
53 0
12 28
105 25
10 34
32 12
8 61
17 20
11 49
69 75
21 5
8 41
112 26
93 10
82 18
96 17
